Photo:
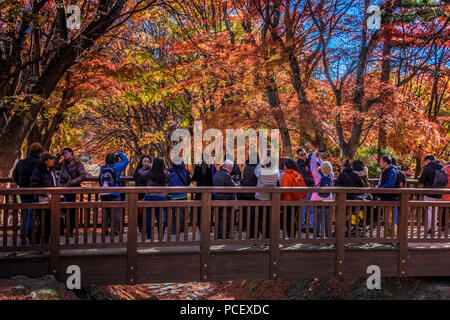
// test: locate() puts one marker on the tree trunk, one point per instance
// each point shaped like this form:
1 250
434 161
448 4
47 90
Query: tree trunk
286 150
56 123
418 168
382 140
348 151
272 92
350 147
15 133
274 102
34 135
385 77
296 80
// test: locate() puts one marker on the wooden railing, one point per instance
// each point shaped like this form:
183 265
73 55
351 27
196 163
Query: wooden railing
90 179
93 181
207 222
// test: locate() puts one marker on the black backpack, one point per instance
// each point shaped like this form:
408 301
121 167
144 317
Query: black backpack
400 178
440 179
325 182
108 177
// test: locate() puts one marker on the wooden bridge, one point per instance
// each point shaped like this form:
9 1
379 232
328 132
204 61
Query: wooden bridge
265 237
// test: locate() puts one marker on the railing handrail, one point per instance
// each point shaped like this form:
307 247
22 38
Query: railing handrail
237 189
130 178
87 179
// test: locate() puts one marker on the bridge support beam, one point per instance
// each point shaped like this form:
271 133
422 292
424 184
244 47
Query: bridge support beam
205 238
403 235
340 234
132 238
54 267
274 235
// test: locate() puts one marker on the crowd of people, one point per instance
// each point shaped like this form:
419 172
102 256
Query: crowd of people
41 169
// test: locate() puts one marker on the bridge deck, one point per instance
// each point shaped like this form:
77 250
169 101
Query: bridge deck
106 266
222 248
202 253
71 241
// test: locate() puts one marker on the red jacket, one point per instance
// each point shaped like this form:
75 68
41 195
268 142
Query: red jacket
292 178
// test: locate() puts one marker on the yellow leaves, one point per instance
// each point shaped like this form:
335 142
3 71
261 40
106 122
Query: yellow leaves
16 104
148 138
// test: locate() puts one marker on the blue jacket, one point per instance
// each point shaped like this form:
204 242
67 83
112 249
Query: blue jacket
175 179
118 167
387 180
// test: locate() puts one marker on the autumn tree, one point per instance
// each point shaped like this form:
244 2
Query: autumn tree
36 50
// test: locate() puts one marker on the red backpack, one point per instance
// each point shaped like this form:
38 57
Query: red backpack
297 181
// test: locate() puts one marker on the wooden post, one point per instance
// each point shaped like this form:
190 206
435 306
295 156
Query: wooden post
274 235
403 234
132 238
205 238
54 236
15 213
340 234
5 223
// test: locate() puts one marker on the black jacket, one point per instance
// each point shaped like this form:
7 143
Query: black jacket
248 180
22 173
205 179
427 177
222 179
139 181
349 179
42 178
301 168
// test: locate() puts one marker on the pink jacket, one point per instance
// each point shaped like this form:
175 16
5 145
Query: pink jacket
316 176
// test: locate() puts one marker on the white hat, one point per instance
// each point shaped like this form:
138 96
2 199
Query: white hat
228 163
